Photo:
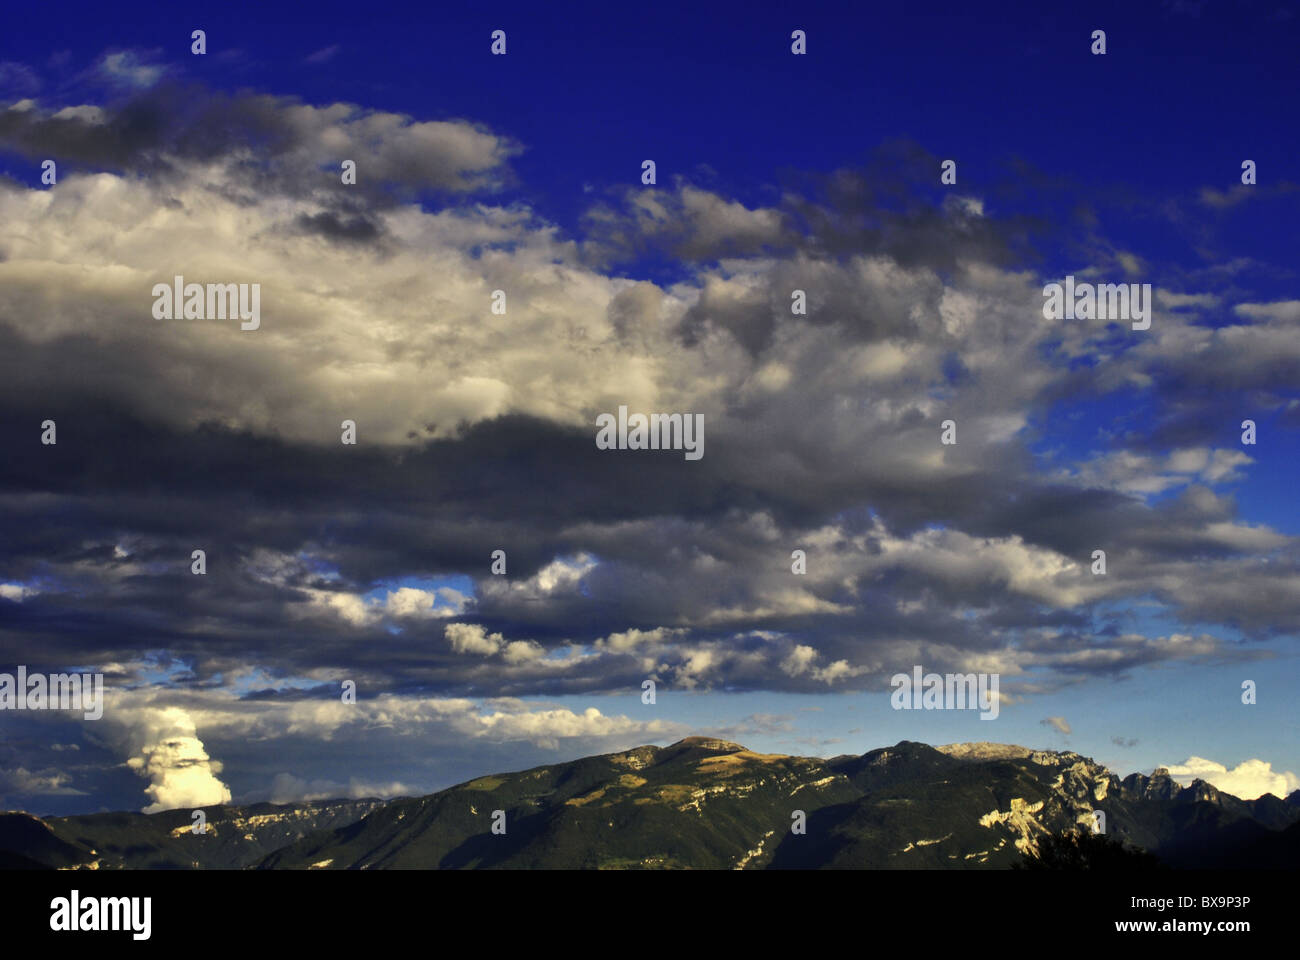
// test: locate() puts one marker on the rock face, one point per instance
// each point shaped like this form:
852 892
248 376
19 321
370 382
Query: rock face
706 803
983 750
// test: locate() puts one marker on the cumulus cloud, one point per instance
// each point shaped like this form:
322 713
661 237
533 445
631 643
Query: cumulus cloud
800 660
627 641
1248 780
472 638
402 604
414 602
180 772
691 222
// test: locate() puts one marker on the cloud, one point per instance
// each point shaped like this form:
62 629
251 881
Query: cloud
1226 199
1176 301
628 641
1142 474
172 756
472 638
1056 723
414 602
323 55
476 434
156 727
21 782
800 660
1283 311
126 68
547 727
689 222
286 788
1248 780
184 137
16 591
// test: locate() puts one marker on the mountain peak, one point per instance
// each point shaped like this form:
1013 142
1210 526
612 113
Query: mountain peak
708 743
1160 784
984 750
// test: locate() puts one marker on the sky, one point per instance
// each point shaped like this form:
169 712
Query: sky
370 563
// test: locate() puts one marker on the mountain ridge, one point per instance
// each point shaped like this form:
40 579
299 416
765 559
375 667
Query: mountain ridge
705 803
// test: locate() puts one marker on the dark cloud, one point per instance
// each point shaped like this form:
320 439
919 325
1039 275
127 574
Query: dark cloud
279 143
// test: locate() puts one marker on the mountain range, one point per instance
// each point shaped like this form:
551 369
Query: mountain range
703 803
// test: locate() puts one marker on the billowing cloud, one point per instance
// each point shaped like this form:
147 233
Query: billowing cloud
472 638
1248 780
180 772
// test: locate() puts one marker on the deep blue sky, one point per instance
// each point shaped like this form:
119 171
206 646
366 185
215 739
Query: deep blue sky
592 89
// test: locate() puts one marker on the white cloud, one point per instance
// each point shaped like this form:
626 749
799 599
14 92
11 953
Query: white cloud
172 756
1146 474
127 68
1282 311
402 603
522 651
349 606
286 788
472 638
149 716
800 660
413 602
1248 780
629 640
86 114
